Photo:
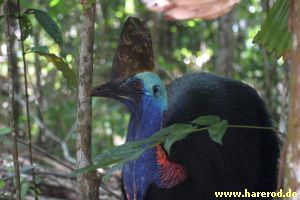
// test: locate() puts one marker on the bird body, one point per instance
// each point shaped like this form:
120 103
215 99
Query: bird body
197 167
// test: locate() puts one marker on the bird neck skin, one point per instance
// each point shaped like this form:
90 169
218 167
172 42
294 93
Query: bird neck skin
137 175
153 165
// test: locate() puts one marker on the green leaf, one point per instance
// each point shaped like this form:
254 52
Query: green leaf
94 167
49 25
41 49
2 184
25 26
160 136
5 131
206 120
105 161
25 187
119 165
132 150
274 35
53 3
60 65
217 131
178 132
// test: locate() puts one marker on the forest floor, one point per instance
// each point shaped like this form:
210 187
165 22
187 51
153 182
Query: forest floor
52 177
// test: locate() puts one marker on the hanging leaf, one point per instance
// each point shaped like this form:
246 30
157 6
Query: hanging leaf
59 63
25 26
206 120
4 131
217 131
47 23
179 132
274 35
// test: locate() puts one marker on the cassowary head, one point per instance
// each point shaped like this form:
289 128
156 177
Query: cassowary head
139 92
146 97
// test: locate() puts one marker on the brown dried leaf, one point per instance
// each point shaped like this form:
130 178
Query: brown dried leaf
183 9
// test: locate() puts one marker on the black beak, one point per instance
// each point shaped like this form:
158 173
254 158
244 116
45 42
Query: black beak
113 89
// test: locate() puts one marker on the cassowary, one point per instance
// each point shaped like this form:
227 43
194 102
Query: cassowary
197 167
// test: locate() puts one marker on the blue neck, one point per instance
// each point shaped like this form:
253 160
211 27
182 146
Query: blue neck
145 121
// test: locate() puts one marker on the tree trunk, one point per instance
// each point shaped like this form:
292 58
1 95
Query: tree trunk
292 162
11 58
90 181
224 61
12 9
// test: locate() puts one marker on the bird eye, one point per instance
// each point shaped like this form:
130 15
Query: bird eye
155 89
137 85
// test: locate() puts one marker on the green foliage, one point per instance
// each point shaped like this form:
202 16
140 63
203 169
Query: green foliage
48 24
206 120
179 132
4 131
274 34
216 127
2 184
42 49
60 64
122 154
217 131
26 27
25 187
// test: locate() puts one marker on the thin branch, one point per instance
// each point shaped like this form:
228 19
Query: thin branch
38 89
12 99
89 181
27 106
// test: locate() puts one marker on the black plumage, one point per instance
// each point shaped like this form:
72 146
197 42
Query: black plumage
248 157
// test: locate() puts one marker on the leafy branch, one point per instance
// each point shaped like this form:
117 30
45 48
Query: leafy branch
59 63
47 23
118 156
51 27
274 35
